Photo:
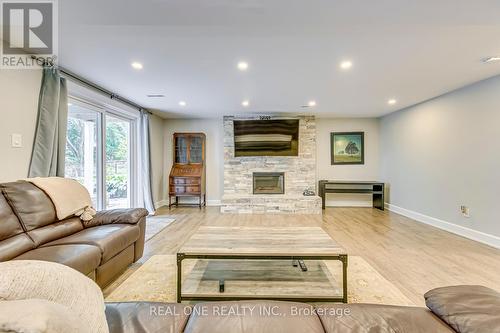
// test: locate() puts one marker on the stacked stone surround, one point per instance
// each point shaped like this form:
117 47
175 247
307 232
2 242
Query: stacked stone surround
300 174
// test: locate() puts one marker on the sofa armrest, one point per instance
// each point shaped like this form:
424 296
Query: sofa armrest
467 309
117 216
147 317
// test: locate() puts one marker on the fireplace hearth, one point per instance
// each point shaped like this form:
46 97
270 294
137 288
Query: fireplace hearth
268 183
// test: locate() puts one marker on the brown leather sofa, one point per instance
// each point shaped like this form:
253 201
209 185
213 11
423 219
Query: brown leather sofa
29 230
462 309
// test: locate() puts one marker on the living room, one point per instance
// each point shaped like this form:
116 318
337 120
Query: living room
174 164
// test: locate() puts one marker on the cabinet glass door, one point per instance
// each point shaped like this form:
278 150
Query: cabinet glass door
181 150
195 150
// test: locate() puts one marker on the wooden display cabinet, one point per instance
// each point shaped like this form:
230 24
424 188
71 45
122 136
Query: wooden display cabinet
187 177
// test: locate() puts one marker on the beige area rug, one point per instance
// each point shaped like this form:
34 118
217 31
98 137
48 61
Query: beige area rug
155 224
155 280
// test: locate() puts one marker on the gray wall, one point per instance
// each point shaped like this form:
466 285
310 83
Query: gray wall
367 171
445 153
215 155
214 132
19 90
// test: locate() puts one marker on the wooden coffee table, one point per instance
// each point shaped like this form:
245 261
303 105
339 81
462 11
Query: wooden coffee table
246 244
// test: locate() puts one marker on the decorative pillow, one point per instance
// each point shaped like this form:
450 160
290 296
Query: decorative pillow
28 279
39 316
467 309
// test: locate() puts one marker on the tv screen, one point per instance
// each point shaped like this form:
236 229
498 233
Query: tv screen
277 137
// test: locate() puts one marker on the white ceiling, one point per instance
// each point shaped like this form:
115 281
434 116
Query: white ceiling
411 50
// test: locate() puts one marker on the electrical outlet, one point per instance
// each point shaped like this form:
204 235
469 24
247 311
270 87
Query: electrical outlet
16 140
465 211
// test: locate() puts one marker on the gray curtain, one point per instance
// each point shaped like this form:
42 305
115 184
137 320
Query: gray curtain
144 137
47 157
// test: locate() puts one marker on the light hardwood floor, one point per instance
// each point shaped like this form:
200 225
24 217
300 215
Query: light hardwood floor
413 256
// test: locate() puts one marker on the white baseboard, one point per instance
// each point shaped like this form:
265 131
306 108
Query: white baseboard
478 236
194 201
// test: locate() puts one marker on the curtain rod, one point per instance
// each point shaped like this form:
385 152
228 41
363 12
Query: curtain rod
94 86
102 90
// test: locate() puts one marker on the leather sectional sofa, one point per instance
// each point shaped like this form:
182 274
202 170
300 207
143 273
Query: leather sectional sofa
29 230
462 309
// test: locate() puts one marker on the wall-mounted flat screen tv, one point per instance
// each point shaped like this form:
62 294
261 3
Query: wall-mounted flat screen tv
275 137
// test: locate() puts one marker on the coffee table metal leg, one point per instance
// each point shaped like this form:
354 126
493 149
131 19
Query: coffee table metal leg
343 259
180 256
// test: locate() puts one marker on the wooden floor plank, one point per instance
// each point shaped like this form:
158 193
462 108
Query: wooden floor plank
415 257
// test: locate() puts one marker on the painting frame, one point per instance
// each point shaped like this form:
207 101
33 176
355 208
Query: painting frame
335 159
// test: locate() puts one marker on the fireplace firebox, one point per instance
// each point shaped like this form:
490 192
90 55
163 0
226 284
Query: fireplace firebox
268 183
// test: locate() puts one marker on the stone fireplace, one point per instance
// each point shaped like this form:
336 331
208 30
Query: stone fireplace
297 173
268 183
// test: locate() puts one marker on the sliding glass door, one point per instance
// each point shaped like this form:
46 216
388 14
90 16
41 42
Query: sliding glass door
117 162
82 151
99 154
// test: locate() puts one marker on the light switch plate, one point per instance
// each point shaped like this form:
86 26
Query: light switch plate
16 140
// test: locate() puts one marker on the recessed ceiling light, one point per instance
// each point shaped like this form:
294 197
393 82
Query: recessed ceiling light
155 95
346 64
182 103
243 66
311 104
245 103
392 101
491 59
136 65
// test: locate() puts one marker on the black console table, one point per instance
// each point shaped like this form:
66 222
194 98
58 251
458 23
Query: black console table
376 189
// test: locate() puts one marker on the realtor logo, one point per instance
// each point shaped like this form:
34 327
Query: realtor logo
28 31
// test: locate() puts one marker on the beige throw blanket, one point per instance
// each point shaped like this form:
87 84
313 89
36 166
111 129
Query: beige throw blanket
70 198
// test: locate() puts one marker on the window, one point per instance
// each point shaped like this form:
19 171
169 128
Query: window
99 154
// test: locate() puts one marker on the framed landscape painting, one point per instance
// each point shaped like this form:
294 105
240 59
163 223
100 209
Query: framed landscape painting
347 147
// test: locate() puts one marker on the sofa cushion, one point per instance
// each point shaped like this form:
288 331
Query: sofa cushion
31 205
253 317
9 224
468 309
83 258
14 246
56 283
361 318
110 239
146 317
117 216
56 230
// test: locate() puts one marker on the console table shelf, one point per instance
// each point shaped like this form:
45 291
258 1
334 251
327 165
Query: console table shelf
376 189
